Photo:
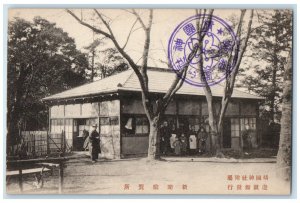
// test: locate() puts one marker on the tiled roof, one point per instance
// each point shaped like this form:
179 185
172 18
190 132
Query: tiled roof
159 82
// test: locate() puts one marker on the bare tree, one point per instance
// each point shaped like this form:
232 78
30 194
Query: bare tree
154 115
235 58
284 159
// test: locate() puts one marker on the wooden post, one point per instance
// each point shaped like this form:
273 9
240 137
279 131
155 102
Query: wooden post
20 180
34 147
48 143
258 129
61 177
240 129
63 144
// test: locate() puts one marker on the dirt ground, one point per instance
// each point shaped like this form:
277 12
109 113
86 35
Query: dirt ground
172 176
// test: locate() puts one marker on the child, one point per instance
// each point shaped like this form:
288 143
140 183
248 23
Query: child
177 146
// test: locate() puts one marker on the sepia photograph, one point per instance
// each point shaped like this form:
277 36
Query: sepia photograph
149 101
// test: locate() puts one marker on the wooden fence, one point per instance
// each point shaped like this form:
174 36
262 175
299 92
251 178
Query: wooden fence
40 143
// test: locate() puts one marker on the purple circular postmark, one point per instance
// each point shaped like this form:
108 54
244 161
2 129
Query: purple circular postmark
216 53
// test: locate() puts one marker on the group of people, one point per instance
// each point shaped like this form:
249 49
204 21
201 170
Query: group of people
183 143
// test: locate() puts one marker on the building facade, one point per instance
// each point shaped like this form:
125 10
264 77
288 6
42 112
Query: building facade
114 103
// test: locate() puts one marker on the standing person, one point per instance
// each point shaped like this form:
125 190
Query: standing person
165 134
177 146
247 138
202 137
94 144
193 144
82 139
86 140
189 142
183 142
172 141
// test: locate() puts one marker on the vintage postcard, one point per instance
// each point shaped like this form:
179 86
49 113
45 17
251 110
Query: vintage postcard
149 101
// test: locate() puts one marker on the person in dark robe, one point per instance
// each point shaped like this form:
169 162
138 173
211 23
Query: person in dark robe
165 134
202 137
184 144
94 144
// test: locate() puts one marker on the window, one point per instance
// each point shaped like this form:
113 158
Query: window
135 125
75 126
141 126
235 122
114 120
251 122
91 121
68 128
106 124
235 127
104 121
57 125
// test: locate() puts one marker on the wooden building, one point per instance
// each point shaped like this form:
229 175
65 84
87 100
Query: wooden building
114 103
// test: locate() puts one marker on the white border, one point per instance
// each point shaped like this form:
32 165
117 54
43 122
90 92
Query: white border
171 3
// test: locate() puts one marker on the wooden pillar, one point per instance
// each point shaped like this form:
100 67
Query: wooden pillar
33 142
61 178
63 142
48 143
49 119
258 128
20 180
177 113
240 131
120 127
64 134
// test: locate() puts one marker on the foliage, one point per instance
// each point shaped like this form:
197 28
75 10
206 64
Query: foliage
104 62
112 63
270 44
42 60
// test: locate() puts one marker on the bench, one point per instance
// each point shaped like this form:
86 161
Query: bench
37 172
36 167
26 171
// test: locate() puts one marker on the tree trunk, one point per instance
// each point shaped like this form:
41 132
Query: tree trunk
215 135
14 115
284 161
273 95
93 64
153 149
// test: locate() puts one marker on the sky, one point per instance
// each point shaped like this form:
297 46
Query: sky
164 23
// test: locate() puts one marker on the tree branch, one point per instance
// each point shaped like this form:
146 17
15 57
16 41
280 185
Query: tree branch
138 18
121 51
178 81
135 67
129 34
88 25
229 85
